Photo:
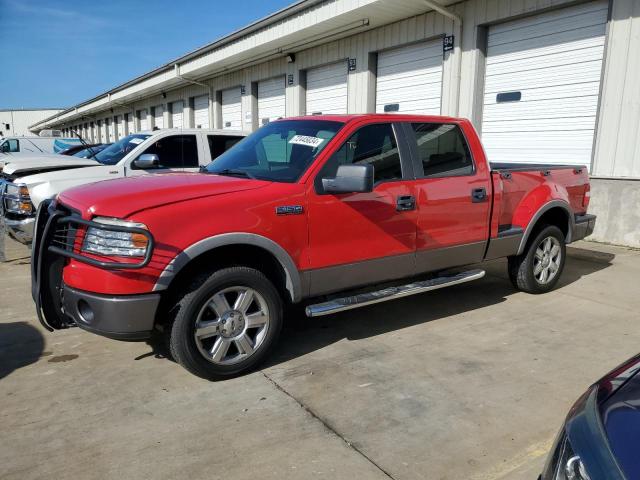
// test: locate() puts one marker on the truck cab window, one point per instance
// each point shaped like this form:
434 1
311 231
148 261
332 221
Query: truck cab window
176 151
11 145
218 144
375 144
443 150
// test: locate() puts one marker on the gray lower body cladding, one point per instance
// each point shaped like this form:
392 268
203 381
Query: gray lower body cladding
122 317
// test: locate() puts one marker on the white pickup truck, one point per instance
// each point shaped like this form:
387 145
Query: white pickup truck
26 183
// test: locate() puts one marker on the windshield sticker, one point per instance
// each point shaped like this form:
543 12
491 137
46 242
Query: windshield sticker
313 142
136 141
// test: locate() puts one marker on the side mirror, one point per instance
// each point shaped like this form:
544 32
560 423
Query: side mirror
350 179
147 160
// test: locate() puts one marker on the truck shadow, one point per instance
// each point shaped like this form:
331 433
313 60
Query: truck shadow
21 344
302 335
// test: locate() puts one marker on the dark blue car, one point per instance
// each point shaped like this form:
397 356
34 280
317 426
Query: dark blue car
600 438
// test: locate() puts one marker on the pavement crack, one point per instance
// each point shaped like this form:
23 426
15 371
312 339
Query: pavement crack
328 426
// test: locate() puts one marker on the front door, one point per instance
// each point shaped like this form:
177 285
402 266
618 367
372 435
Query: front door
363 238
453 197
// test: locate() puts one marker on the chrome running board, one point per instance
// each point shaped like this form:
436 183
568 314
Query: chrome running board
390 293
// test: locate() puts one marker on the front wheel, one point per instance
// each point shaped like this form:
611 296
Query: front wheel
227 324
539 268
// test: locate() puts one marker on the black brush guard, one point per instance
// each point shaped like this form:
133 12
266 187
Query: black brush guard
54 241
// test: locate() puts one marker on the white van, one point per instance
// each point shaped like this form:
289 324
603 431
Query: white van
11 145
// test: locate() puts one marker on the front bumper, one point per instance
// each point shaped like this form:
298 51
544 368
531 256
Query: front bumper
583 227
21 230
121 317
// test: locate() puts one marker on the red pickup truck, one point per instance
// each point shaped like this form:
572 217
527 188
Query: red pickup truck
333 211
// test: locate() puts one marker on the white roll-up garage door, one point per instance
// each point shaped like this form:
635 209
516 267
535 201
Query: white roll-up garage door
271 100
542 86
409 79
232 109
201 111
158 116
177 116
130 124
118 125
327 89
142 116
108 130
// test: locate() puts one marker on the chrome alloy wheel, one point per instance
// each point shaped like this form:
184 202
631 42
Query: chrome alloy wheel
232 325
547 260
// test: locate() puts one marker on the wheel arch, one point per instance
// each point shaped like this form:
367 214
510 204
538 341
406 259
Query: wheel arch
236 242
555 212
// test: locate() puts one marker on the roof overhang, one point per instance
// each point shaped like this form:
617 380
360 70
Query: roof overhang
300 26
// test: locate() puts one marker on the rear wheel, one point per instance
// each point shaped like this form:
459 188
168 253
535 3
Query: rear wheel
226 325
539 268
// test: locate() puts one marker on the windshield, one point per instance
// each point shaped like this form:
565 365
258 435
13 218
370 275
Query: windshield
116 152
89 152
280 151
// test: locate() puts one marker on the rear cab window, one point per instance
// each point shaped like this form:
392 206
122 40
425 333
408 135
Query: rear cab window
442 150
175 151
218 144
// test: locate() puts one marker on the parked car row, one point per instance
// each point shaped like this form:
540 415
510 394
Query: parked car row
30 180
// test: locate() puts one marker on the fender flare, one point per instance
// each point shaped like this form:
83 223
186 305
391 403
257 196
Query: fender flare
292 275
541 211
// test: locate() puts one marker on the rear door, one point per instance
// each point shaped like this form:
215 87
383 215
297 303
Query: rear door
364 238
453 196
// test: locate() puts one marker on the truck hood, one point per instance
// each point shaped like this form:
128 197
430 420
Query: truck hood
23 165
123 197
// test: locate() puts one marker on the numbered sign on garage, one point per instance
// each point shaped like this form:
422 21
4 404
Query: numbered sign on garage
271 100
201 111
177 114
542 86
327 89
409 79
232 109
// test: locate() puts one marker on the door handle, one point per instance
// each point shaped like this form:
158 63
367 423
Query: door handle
478 195
405 203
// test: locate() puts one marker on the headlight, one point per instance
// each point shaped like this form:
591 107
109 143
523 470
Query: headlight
17 199
109 242
569 466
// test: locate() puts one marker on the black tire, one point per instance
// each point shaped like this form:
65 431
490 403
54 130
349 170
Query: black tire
521 267
183 344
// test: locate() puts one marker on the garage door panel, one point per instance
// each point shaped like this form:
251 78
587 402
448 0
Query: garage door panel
555 92
411 78
550 24
549 41
543 109
542 126
549 61
532 52
565 75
